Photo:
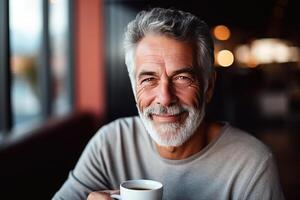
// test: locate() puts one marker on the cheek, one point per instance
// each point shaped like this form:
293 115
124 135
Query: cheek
143 98
191 96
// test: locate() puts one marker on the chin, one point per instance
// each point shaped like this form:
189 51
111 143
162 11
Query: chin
177 133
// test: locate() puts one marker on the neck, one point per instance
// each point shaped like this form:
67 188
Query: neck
205 133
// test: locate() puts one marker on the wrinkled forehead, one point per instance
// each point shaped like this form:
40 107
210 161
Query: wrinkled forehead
163 50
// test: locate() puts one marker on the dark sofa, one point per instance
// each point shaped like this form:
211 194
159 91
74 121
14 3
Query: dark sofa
36 166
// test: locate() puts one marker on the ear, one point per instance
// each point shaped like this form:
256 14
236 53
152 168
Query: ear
210 90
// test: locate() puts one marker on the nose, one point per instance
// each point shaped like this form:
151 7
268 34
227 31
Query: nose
165 94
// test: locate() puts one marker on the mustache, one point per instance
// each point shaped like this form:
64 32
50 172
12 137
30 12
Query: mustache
167 110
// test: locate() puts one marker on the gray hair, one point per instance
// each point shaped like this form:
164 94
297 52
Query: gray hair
175 24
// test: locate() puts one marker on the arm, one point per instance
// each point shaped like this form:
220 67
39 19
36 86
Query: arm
89 174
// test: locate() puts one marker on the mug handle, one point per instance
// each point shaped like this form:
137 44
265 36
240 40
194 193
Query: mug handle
116 196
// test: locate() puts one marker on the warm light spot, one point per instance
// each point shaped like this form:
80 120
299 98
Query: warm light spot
221 32
252 64
225 58
294 54
243 54
281 53
266 51
270 50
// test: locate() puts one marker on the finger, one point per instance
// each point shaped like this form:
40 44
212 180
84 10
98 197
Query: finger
102 195
112 191
99 195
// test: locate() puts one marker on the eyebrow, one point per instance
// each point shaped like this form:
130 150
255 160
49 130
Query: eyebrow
146 73
189 69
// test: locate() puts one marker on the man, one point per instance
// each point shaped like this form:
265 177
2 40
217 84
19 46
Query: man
169 56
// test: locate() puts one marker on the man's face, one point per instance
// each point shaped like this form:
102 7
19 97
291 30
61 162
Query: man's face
168 89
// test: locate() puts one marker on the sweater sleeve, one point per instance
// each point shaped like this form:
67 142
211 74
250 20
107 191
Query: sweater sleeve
265 182
89 173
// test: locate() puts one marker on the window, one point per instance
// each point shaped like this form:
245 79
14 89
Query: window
60 61
25 41
35 61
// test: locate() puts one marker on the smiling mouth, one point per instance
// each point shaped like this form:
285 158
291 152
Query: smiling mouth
167 118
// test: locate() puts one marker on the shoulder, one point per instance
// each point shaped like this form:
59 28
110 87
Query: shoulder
250 161
124 122
244 144
243 153
118 131
128 125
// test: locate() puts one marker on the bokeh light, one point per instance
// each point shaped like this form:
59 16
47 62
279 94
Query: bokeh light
225 58
221 32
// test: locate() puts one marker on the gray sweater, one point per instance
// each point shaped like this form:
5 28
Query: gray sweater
233 166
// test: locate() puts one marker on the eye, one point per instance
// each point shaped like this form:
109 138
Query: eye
182 80
149 81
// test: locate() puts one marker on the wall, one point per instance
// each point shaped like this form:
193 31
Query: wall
90 72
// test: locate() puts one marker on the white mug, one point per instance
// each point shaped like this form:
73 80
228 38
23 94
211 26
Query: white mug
140 190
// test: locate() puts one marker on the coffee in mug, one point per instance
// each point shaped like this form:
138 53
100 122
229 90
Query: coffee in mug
140 189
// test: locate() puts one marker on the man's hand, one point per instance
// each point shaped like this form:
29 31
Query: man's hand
102 195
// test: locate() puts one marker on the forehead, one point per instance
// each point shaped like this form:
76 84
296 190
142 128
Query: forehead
157 49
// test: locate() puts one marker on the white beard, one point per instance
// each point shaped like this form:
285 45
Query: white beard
172 134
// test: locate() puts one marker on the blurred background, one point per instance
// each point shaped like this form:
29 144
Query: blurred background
62 76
